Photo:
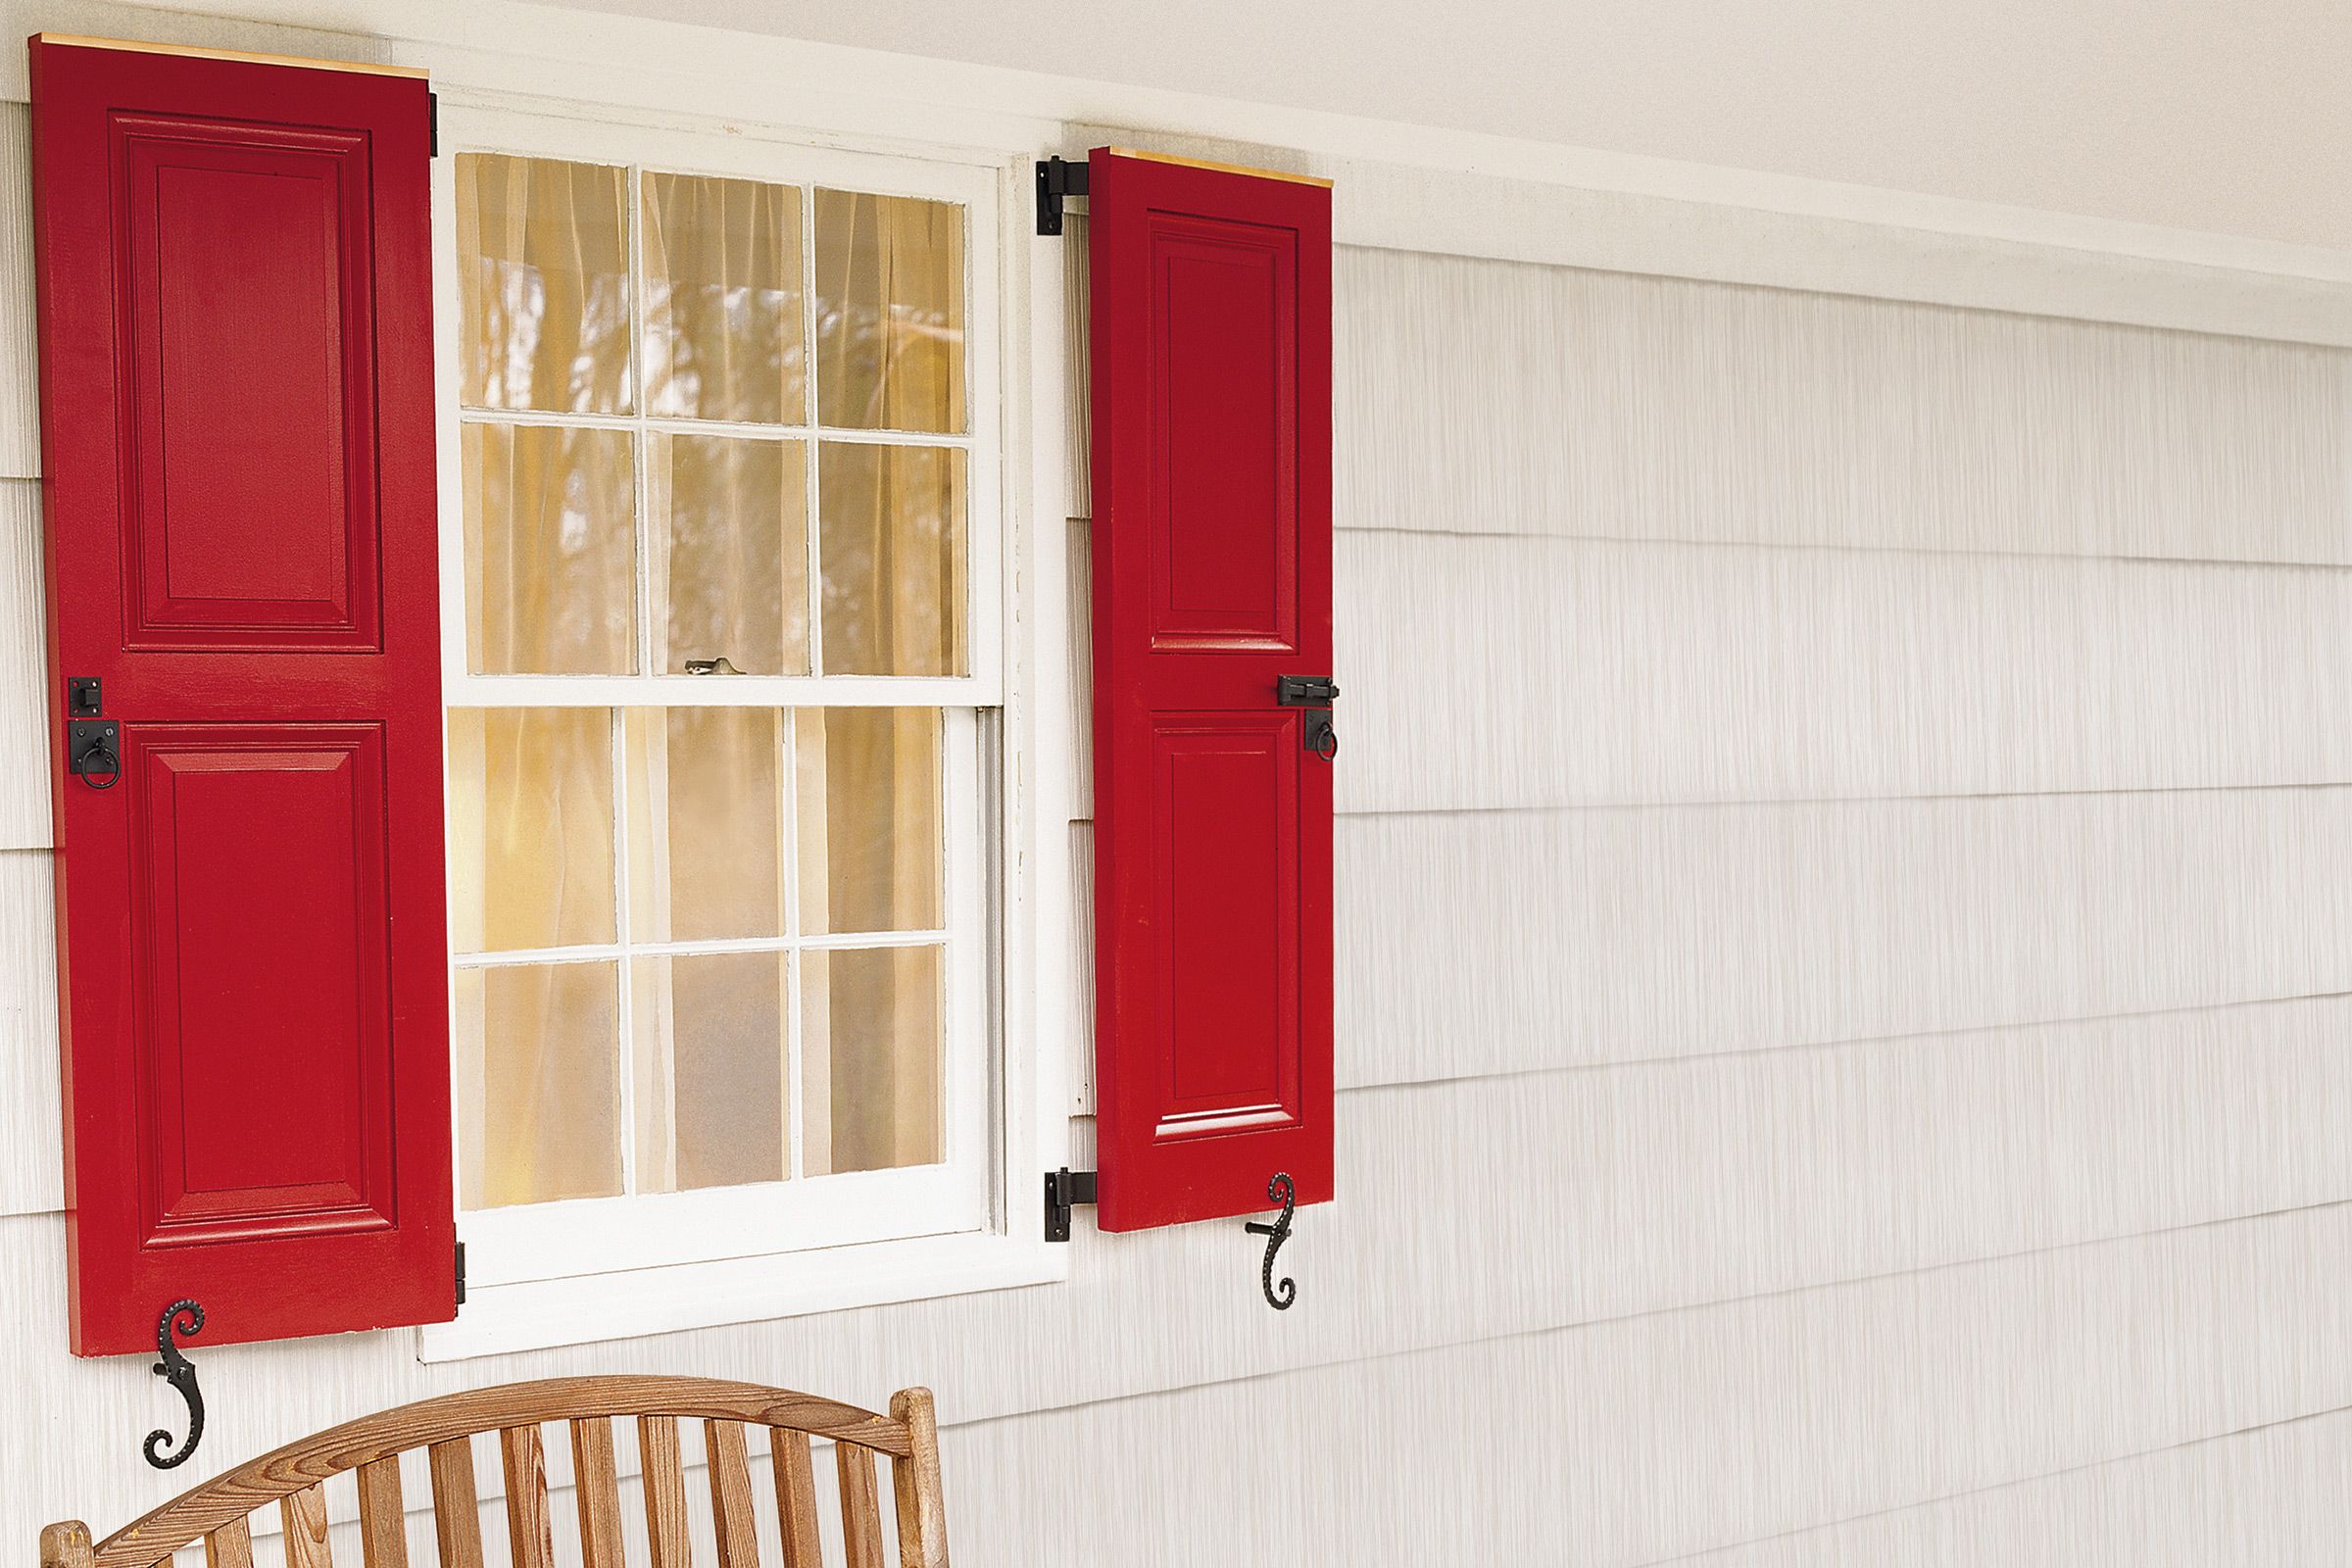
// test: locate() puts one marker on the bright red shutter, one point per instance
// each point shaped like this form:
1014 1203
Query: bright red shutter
1211 374
237 428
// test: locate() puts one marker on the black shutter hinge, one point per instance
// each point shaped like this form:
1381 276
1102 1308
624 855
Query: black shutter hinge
1063 1187
432 125
1057 177
461 1273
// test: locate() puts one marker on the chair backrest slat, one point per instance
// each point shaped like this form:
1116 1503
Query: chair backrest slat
383 1520
217 1513
664 1490
795 1497
860 1509
922 1521
596 1483
530 1533
729 1463
457 1506
229 1546
304 1516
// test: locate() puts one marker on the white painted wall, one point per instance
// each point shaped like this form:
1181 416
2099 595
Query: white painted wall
2219 114
1846 868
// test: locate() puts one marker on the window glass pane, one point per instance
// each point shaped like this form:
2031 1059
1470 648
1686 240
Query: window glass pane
551 553
543 252
531 807
870 847
710 1053
729 520
871 1029
889 312
722 300
706 823
538 1053
891 530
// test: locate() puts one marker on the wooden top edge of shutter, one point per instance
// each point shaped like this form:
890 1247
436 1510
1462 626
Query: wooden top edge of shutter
71 40
1221 169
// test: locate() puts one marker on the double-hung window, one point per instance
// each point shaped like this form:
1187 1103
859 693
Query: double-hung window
722 624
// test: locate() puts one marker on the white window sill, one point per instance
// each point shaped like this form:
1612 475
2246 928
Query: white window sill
538 1315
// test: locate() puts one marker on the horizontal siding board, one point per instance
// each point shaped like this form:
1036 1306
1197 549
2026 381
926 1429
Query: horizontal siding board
1523 673
31 1158
1478 396
23 672
2273 1497
1639 1440
1500 942
1529 1203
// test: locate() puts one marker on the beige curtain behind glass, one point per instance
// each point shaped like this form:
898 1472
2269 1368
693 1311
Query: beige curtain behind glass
544 294
722 300
872 859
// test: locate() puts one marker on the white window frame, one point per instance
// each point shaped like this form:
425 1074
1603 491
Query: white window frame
606 1268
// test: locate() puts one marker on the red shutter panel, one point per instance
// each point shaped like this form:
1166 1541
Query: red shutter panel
1211 384
237 427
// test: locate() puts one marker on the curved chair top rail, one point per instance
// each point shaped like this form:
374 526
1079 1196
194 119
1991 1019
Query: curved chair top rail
304 1463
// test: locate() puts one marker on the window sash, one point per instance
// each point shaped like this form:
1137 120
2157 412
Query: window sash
643 148
584 1237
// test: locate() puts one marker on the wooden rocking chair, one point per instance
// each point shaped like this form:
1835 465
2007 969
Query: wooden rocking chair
294 1478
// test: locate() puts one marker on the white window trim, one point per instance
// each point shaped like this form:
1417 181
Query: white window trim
523 1295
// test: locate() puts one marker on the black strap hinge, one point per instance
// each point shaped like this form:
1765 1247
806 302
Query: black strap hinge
1057 177
1064 1187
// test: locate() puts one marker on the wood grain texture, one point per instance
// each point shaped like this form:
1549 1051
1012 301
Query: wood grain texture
303 1523
1493 941
795 1497
665 1484
916 1481
1521 673
457 1506
595 1487
1475 397
23 672
383 1518
860 1506
65 1544
1645 1439
19 365
372 1442
730 1476
32 1161
530 1523
229 1546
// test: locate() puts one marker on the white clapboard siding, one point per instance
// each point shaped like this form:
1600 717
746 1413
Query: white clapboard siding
1631 1442
1502 940
1523 673
2273 1498
23 672
20 376
1468 1210
31 1161
1492 397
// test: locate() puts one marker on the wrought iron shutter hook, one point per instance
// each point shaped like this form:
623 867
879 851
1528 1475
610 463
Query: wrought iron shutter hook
1282 1189
180 1373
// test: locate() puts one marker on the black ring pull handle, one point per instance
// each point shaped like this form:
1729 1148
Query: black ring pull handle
180 1373
93 746
1282 1189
